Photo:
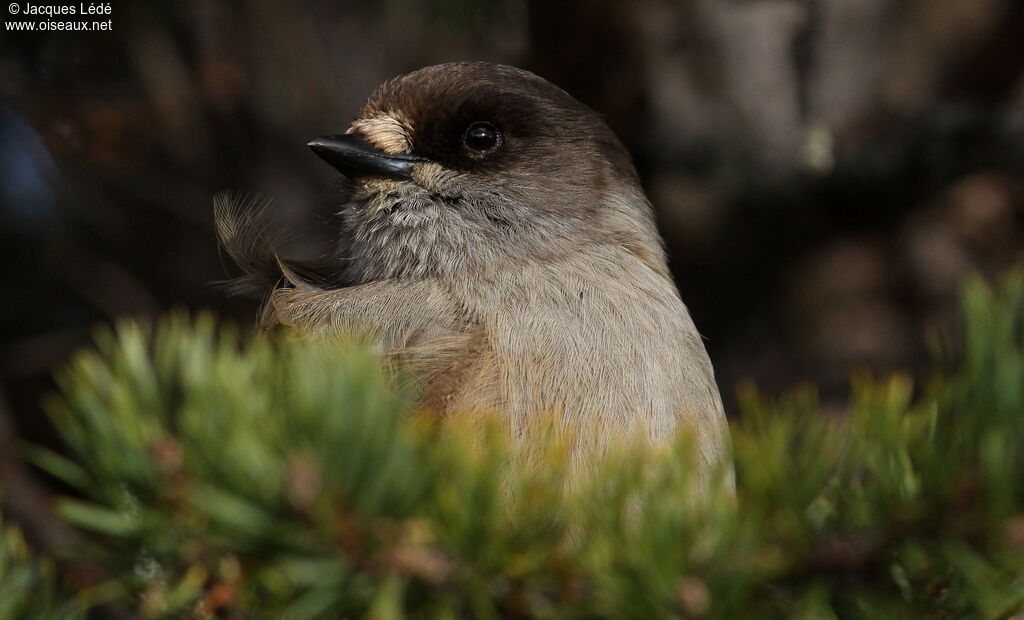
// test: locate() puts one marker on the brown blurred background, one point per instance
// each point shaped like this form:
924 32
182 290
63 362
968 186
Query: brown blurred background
825 171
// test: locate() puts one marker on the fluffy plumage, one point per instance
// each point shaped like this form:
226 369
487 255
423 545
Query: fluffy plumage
526 281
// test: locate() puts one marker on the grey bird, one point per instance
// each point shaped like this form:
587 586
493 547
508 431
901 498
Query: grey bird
496 239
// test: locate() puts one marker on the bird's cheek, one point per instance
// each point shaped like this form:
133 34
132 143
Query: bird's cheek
379 186
435 178
379 194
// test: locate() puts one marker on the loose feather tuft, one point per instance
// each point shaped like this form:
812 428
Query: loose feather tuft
241 227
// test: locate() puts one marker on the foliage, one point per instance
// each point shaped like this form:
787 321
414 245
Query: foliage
28 585
223 475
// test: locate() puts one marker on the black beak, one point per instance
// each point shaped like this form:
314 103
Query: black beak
352 157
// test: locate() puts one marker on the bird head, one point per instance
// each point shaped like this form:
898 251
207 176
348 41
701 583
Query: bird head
457 167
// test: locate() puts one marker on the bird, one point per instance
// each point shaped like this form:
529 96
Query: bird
495 237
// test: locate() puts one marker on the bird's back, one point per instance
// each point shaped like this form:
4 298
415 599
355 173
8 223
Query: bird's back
597 339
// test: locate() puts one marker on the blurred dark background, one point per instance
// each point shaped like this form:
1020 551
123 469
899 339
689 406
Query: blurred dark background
825 172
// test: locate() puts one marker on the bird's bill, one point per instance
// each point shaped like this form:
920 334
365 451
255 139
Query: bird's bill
354 157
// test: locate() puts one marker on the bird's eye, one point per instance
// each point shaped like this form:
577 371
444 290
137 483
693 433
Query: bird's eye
482 138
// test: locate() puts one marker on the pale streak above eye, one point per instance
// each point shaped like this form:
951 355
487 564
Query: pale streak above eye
390 132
